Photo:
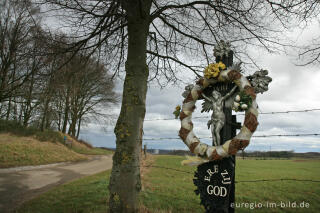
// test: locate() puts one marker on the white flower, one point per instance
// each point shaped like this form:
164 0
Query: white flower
244 106
237 98
236 104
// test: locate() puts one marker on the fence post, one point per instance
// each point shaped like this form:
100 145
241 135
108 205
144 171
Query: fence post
145 151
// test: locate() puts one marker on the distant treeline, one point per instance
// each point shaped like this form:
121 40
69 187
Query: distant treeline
270 154
279 154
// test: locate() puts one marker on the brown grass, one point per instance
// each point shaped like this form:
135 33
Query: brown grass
22 151
144 169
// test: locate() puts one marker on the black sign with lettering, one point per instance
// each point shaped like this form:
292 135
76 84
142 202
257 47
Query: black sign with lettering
214 183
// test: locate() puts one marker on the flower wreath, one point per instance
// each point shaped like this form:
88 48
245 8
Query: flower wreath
230 147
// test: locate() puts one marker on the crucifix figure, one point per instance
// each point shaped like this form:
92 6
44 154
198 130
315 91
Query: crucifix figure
220 97
216 103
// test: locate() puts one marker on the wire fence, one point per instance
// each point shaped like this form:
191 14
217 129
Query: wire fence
184 172
167 196
254 136
261 113
242 181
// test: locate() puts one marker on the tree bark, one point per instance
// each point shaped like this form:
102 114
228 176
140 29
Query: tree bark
66 112
59 114
45 113
48 119
8 110
125 183
79 125
28 109
15 111
72 126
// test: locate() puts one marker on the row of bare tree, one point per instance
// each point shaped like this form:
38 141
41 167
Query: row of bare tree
162 40
145 40
41 83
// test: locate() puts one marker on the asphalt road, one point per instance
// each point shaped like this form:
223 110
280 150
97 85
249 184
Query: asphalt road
20 184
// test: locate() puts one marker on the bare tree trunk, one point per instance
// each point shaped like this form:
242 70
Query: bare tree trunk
8 109
72 127
60 115
1 106
79 125
45 113
48 119
10 99
125 183
66 112
28 109
15 110
74 115
21 108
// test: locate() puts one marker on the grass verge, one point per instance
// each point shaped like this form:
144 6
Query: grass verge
90 151
23 151
88 194
171 191
24 146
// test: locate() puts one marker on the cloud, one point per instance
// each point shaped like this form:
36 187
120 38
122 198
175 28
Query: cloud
292 88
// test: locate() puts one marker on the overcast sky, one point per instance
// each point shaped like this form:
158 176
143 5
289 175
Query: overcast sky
293 88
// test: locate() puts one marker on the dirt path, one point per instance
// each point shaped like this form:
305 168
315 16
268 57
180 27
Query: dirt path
18 185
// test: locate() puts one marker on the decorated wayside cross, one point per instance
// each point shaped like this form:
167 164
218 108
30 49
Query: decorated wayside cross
223 88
